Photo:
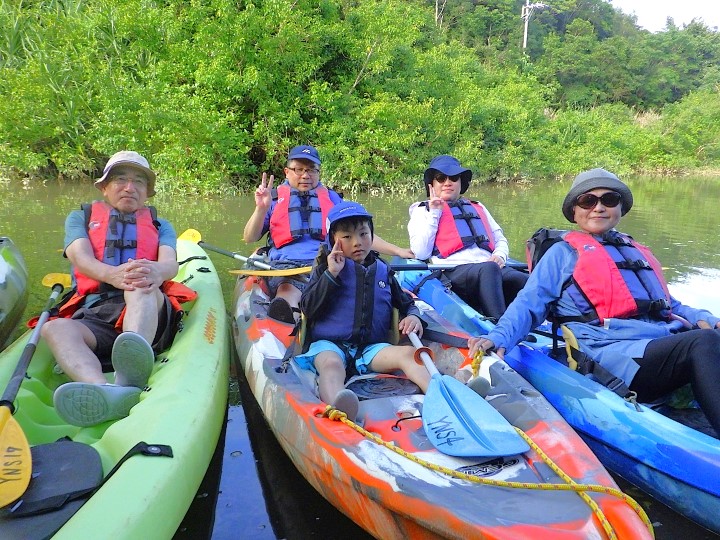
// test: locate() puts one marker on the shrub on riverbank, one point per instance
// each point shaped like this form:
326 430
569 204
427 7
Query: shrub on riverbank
216 92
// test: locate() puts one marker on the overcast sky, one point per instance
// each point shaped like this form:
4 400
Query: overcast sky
651 14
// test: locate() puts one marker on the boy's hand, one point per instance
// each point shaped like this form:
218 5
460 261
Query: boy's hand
263 194
336 259
411 324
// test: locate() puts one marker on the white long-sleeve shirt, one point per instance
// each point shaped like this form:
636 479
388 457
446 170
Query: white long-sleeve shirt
423 226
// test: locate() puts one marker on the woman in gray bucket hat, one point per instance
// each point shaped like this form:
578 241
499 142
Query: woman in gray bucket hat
609 290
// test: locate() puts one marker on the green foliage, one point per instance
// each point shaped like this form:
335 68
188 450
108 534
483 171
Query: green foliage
216 91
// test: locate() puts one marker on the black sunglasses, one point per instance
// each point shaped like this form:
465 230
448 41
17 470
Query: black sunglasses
588 201
442 177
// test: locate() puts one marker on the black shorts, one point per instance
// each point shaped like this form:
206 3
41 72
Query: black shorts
101 317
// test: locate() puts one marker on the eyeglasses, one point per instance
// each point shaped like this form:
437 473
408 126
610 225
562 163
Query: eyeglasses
588 201
442 177
125 180
300 171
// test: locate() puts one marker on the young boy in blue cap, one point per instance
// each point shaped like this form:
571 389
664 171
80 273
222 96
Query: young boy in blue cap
348 304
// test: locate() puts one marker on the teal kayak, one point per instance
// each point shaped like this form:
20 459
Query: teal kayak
671 461
13 289
175 426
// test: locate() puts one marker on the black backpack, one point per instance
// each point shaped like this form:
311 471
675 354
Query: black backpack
539 243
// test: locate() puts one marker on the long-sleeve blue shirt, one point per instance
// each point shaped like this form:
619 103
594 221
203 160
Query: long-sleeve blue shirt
616 344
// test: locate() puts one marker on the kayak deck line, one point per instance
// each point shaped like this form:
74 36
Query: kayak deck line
570 485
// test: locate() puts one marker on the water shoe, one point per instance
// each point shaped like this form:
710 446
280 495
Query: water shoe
86 404
132 359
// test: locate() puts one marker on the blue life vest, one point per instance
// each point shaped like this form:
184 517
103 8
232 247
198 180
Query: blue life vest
463 223
362 312
616 278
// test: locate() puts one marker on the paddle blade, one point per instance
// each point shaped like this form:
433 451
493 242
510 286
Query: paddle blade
16 466
192 235
460 423
50 280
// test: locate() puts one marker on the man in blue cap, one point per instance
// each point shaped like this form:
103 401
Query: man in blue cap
348 305
450 229
294 217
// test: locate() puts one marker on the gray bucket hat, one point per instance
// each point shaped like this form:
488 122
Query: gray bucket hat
593 179
128 157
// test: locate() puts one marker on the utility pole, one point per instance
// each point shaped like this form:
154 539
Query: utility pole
527 10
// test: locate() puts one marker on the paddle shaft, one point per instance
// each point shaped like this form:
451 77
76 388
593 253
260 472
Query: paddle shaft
19 374
445 266
239 257
429 364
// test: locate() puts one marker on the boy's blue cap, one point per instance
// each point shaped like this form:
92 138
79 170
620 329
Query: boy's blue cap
304 152
450 166
345 209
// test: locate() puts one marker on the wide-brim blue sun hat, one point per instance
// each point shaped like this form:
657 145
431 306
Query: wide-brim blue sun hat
447 165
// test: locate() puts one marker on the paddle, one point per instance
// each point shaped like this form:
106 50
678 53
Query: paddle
459 422
399 264
14 448
267 270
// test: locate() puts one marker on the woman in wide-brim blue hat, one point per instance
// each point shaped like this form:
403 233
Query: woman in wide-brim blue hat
448 228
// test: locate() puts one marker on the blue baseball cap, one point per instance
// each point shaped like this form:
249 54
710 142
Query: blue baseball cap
304 152
450 166
344 210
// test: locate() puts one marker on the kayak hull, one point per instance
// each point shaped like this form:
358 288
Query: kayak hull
183 408
13 289
409 494
674 463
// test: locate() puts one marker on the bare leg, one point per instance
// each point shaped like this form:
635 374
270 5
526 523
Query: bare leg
141 313
401 357
72 344
331 375
290 293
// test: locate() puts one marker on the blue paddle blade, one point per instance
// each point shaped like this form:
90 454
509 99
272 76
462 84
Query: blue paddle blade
460 423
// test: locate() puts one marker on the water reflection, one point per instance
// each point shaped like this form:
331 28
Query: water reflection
695 288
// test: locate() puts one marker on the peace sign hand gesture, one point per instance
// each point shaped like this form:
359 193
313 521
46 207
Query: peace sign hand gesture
436 203
336 259
263 194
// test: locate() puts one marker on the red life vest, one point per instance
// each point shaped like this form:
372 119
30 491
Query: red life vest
618 278
463 223
117 237
288 223
178 293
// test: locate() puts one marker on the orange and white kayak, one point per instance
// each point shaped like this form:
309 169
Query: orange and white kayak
385 474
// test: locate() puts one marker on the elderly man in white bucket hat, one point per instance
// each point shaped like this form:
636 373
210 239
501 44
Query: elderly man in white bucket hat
122 257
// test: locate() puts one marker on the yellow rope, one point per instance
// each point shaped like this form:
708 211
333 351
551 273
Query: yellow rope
477 359
337 415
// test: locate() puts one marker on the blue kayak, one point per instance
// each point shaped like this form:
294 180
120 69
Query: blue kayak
674 463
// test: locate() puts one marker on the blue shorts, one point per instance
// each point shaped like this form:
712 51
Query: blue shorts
297 281
307 360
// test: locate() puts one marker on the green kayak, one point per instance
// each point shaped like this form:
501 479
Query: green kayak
175 429
13 289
